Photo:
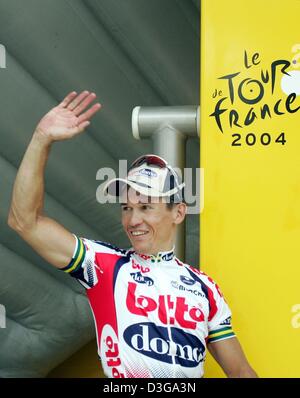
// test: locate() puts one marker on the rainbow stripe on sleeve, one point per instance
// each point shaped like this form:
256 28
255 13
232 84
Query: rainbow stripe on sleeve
220 334
78 258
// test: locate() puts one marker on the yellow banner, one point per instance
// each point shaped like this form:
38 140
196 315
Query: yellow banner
250 144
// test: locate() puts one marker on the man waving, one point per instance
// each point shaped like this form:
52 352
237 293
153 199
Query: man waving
155 316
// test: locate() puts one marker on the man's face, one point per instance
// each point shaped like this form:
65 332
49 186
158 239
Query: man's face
148 223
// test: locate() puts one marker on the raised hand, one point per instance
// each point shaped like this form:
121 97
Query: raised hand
69 118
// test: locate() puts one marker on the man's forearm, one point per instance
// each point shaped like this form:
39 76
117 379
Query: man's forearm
28 192
46 236
244 373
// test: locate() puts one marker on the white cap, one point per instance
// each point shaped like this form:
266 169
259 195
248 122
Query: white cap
149 180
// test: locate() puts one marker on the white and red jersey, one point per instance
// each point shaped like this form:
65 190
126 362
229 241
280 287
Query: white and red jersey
154 315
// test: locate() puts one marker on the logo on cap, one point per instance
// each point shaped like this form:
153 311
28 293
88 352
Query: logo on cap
148 172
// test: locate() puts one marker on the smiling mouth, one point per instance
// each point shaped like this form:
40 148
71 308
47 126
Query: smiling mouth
138 233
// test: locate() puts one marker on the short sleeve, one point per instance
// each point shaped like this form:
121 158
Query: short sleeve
219 322
83 265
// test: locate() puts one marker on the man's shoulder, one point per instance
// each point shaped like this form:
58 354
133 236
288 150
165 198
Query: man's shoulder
100 246
197 272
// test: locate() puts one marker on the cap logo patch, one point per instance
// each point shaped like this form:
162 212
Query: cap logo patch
148 172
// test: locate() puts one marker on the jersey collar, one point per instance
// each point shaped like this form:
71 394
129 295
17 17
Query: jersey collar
161 256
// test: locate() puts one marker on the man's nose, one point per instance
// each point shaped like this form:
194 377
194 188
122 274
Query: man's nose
136 218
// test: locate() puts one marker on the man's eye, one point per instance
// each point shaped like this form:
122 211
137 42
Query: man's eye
146 207
125 208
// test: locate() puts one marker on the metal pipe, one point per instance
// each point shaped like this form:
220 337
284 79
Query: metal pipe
147 120
169 127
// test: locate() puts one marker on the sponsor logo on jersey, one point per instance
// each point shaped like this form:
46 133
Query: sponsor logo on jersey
187 281
182 288
227 321
166 308
109 348
147 172
144 256
140 267
139 278
168 256
169 345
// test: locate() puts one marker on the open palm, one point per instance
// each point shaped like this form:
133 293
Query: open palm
70 117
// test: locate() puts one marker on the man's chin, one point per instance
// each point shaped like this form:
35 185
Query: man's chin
140 248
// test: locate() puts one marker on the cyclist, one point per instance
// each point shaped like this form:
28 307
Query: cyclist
154 315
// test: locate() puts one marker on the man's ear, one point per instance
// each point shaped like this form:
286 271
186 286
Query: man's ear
179 213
